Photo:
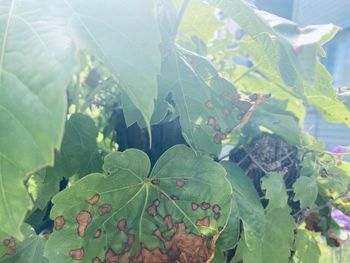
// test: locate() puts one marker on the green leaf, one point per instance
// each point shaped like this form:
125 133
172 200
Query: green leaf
132 115
323 96
114 213
246 206
30 250
78 155
35 68
335 184
209 106
277 121
275 188
306 191
306 247
125 37
282 50
277 242
199 20
252 82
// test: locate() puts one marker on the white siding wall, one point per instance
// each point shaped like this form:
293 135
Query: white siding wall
307 12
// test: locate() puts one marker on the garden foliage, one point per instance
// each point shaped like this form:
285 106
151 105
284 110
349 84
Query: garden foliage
113 118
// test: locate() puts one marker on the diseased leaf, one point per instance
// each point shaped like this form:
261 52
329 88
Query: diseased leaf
246 207
35 68
306 247
336 183
253 82
209 106
126 215
275 188
30 250
125 37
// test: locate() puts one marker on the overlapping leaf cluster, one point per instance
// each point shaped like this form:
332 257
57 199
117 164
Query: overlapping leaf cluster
162 61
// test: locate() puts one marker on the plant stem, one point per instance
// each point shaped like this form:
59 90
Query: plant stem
182 11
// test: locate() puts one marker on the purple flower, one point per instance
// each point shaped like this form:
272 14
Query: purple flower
342 219
339 149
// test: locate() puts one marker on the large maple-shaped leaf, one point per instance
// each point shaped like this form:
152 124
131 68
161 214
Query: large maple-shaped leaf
126 214
35 66
124 35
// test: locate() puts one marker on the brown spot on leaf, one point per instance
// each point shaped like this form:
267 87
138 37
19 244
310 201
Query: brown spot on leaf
152 210
77 254
151 256
209 104
168 221
96 260
163 196
217 138
129 243
312 222
346 200
97 233
94 199
174 197
122 225
104 209
331 190
186 248
194 206
111 256
181 248
205 206
155 181
217 216
180 183
203 222
216 208
11 246
59 223
83 219
211 121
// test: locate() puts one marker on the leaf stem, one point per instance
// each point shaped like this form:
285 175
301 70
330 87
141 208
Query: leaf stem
180 15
